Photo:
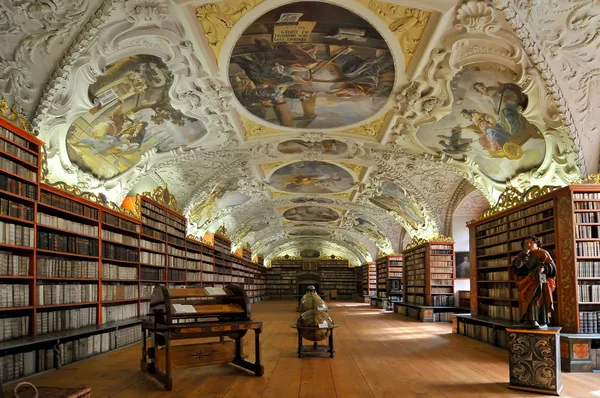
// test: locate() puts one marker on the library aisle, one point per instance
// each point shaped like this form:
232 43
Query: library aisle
378 354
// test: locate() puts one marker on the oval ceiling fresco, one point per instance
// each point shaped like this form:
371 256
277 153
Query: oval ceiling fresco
311 213
297 67
132 115
392 198
326 147
310 253
311 177
487 125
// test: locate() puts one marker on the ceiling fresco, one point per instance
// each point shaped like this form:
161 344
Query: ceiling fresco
338 127
298 67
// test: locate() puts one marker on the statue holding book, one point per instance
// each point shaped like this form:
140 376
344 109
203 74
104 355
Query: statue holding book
535 272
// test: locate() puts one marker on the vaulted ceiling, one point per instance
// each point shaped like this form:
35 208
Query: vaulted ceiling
339 127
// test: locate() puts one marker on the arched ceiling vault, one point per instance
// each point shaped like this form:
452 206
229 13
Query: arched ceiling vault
339 127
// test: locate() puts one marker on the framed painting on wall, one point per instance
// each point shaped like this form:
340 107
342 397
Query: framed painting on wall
463 265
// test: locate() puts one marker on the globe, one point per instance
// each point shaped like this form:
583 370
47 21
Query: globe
319 320
312 301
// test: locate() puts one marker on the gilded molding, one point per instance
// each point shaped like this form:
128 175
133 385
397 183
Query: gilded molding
217 20
589 179
11 115
253 129
513 197
222 231
164 197
356 168
421 241
407 24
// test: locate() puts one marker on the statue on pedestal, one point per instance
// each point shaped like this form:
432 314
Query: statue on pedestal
535 272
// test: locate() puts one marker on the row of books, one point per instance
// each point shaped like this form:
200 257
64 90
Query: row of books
488 251
156 217
588 292
588 249
16 234
151 274
118 272
153 233
5 133
13 264
500 222
588 269
589 322
15 366
67 204
151 245
111 313
67 244
18 187
492 239
547 240
119 238
483 232
414 299
18 169
177 262
116 252
540 207
16 209
14 295
14 328
483 333
58 321
18 152
49 293
68 225
492 262
587 231
152 258
531 230
170 219
587 205
531 219
586 195
66 267
119 292
493 290
441 290
119 222
176 252
499 311
583 218
176 275
494 276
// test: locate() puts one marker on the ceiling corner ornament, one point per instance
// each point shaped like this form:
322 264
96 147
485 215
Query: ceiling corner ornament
255 129
217 19
513 197
164 197
11 115
99 198
407 24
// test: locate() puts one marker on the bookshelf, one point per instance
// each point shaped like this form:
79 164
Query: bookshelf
389 279
77 275
368 275
567 221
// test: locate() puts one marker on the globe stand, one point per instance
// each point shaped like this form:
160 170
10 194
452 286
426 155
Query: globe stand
315 348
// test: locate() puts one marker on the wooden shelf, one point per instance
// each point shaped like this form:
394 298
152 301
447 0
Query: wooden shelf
15 219
17 196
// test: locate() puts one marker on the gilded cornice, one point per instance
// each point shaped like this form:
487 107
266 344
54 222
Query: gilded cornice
217 20
407 24
435 238
164 197
99 199
11 115
513 197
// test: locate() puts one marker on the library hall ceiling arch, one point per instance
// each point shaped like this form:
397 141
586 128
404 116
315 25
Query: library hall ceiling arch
336 126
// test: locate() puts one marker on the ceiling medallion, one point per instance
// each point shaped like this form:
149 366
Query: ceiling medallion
311 177
297 68
512 197
407 24
217 19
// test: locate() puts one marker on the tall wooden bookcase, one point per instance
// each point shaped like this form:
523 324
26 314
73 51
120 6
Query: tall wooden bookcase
368 276
76 275
389 278
567 221
429 273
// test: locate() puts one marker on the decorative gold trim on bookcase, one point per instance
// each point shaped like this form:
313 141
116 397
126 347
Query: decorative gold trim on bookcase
246 246
164 197
44 171
513 197
435 238
590 179
223 232
15 118
194 238
92 197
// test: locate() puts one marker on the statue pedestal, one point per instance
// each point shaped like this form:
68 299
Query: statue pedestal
534 361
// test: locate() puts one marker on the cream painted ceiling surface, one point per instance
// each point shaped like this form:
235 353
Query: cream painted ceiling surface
337 126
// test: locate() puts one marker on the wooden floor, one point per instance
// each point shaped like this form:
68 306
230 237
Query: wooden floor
377 355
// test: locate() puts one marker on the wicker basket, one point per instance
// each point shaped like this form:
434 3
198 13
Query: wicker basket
26 390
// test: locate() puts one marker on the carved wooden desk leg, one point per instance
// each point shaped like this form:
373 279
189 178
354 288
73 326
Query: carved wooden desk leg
169 375
238 350
331 350
259 369
299 344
